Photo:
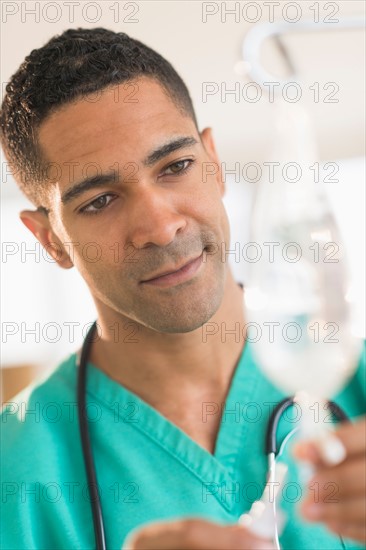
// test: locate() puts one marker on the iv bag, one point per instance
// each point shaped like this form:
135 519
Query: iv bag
298 291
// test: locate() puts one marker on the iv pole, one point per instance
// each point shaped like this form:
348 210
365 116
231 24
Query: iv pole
254 39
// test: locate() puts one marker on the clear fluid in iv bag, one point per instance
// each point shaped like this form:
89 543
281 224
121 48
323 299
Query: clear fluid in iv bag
298 296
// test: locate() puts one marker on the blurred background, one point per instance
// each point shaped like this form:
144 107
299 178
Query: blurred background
45 310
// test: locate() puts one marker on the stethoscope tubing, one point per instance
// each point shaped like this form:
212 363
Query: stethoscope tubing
271 432
86 444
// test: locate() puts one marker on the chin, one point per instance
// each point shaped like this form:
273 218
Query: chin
188 317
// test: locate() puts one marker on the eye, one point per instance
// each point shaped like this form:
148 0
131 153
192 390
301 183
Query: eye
179 167
99 204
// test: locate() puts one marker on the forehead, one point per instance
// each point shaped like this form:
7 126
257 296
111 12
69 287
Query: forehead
124 119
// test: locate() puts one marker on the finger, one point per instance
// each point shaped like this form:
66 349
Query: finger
356 532
346 480
352 511
353 436
329 450
348 440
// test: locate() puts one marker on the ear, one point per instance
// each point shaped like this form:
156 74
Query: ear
215 168
38 223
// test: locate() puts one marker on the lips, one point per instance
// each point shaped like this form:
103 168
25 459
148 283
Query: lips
170 271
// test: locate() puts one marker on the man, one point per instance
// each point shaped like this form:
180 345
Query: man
102 137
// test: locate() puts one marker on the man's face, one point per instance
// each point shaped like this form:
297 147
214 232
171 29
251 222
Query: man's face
158 209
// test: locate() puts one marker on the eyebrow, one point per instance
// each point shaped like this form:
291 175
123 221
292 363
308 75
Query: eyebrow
107 178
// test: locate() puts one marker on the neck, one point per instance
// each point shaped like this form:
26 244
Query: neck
159 365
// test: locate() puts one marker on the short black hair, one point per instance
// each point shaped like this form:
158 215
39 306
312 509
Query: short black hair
71 65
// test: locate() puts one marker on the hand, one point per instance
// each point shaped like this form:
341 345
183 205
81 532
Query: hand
337 495
193 534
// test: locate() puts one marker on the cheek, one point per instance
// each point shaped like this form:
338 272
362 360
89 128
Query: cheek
95 248
206 198
100 277
213 205
224 230
99 257
207 209
225 224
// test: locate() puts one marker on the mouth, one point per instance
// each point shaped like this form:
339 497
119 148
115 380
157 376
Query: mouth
176 276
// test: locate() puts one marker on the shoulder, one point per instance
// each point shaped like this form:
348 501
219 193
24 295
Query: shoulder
28 417
41 461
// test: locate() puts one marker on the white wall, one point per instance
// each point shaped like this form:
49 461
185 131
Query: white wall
209 51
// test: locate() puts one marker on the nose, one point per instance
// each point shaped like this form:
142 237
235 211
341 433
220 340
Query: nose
153 218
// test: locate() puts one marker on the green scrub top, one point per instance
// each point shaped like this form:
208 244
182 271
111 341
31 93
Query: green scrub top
147 468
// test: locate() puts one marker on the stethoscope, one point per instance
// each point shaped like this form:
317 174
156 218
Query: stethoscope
271 447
